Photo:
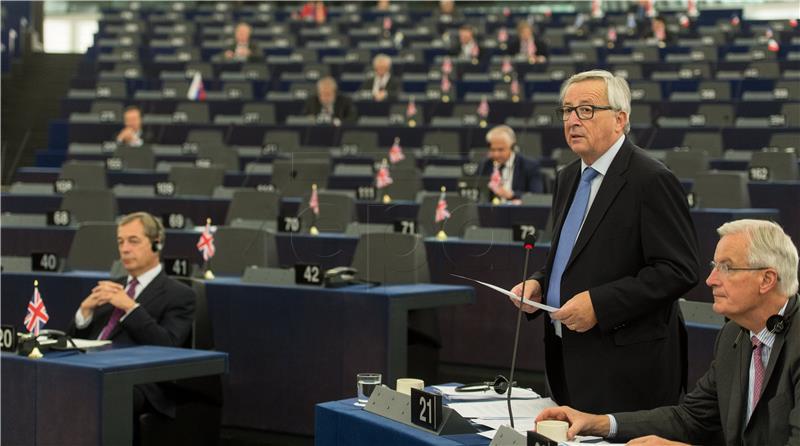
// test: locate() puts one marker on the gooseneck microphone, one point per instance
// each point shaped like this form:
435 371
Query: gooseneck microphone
528 243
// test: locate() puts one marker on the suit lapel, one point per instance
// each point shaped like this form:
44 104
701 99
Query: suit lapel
612 183
740 387
152 291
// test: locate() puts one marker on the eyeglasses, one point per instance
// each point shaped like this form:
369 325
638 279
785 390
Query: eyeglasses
725 268
584 112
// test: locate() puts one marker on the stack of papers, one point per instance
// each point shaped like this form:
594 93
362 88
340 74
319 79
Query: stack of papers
450 393
498 409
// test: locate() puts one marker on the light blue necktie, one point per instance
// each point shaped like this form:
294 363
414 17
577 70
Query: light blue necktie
569 235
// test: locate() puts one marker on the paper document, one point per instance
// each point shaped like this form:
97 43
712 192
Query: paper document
92 343
450 393
498 409
541 306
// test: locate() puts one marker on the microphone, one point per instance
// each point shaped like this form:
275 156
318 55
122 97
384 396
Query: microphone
528 244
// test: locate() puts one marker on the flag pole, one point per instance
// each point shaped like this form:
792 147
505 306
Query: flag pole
35 353
207 274
441 235
313 230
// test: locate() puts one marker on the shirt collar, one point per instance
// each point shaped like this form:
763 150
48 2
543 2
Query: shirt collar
145 278
765 336
604 162
509 163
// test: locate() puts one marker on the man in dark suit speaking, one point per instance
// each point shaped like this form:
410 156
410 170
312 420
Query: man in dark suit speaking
514 173
328 104
623 251
146 307
751 393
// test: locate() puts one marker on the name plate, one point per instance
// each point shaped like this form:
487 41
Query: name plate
288 223
44 261
426 409
522 230
60 217
306 274
8 338
178 266
405 226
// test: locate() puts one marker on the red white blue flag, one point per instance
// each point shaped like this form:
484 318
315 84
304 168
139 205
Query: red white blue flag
206 243
37 314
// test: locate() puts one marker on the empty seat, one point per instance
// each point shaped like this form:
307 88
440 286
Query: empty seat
193 112
238 90
206 137
503 235
781 165
463 214
406 183
336 210
269 276
111 89
685 163
294 178
240 248
94 247
356 228
441 143
721 190
136 157
641 116
710 142
26 220
254 205
191 180
442 171
85 174
529 144
363 141
284 140
391 258
108 110
90 205
14 264
534 199
717 115
221 156
257 113
20 188
785 140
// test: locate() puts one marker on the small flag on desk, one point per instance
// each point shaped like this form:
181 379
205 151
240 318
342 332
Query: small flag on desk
313 203
442 213
447 66
396 152
383 178
206 243
411 110
483 108
37 314
196 92
496 180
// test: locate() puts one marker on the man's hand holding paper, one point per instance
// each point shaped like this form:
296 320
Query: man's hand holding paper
533 291
577 314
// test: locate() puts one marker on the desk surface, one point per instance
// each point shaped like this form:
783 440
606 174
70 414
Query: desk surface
339 423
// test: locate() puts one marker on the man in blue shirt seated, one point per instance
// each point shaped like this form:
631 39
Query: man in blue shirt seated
144 308
513 173
751 393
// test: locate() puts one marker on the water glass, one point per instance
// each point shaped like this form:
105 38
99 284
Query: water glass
366 383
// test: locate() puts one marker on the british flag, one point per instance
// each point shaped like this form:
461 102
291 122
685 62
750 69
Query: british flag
496 180
396 152
515 87
313 202
502 35
483 108
442 213
506 67
445 84
37 313
387 23
383 178
411 110
206 243
447 66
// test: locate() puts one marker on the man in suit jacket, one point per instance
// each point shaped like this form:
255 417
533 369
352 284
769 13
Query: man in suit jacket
243 49
132 134
145 308
517 173
623 251
751 393
381 83
328 104
527 44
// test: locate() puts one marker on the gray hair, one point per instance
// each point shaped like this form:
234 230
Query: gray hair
617 90
153 228
382 58
327 81
502 131
768 246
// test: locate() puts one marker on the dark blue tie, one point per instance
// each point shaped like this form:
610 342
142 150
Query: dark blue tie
569 234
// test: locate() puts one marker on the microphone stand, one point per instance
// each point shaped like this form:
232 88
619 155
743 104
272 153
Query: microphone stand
528 245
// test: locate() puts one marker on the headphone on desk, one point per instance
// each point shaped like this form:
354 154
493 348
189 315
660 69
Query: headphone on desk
499 385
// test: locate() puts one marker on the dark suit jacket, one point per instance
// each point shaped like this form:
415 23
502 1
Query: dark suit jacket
164 317
343 108
526 174
392 87
256 55
541 47
714 412
636 254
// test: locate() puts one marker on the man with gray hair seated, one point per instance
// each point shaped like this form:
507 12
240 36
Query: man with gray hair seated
514 174
381 83
751 393
328 105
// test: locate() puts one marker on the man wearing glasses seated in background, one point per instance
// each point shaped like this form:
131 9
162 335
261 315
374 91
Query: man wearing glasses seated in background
750 394
624 251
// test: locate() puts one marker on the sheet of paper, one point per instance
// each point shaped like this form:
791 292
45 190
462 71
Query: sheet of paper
541 306
88 343
498 409
450 393
521 425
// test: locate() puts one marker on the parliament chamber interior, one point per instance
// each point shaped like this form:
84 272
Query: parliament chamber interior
338 234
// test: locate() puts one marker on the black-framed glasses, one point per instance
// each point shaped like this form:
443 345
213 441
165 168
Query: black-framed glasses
725 268
584 112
